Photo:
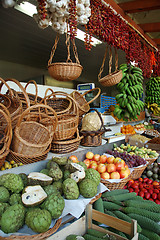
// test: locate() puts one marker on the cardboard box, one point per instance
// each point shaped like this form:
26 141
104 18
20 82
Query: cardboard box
80 226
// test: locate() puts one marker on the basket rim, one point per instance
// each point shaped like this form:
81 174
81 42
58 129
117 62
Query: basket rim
65 64
70 141
111 75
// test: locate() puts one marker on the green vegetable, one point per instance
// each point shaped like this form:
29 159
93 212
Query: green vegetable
110 206
90 237
98 205
74 237
114 192
142 237
117 232
148 205
146 223
110 213
150 234
96 233
122 197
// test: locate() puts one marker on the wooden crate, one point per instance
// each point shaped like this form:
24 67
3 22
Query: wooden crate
80 226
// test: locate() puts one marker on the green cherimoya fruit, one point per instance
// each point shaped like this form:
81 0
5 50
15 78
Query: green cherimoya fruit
13 218
15 198
54 204
24 178
37 178
69 166
83 165
12 182
39 220
45 171
70 189
88 188
55 172
50 189
74 237
4 194
3 207
58 186
93 175
60 160
66 174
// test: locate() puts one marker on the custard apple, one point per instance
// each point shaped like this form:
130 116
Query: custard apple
88 188
93 175
55 172
58 186
60 160
3 207
70 189
50 189
4 194
39 220
12 182
15 198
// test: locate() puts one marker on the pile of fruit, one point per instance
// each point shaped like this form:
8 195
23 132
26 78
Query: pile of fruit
37 198
130 87
127 129
9 165
152 92
152 172
125 205
146 188
108 167
142 152
139 127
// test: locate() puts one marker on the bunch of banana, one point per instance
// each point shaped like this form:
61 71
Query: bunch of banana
153 90
154 108
131 89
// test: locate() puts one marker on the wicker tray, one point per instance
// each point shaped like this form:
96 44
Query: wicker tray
137 172
114 185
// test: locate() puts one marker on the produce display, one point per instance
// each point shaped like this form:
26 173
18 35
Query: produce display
108 167
152 133
37 198
146 188
139 127
130 90
152 172
152 94
125 205
128 129
9 165
139 138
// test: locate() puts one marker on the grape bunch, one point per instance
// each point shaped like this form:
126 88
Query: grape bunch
131 161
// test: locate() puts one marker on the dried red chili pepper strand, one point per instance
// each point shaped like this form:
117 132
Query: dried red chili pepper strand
72 19
41 9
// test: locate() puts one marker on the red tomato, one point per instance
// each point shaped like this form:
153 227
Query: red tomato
136 191
147 195
140 179
150 191
134 185
150 199
149 181
130 189
144 190
156 191
141 194
157 201
130 181
145 179
154 196
141 185
158 196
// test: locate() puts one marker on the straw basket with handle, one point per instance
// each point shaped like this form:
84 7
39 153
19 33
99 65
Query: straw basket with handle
5 133
65 71
15 108
34 98
113 78
5 100
83 105
31 136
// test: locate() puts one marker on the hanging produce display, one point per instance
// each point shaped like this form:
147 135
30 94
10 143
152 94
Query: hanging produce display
130 90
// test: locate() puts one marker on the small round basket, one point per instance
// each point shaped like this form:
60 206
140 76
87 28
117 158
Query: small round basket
65 71
113 78
66 146
40 236
137 172
115 185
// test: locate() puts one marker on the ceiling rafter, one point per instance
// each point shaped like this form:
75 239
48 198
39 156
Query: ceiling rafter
139 6
150 27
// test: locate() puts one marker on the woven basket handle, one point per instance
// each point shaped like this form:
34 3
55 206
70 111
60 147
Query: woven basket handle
53 49
95 97
52 94
36 88
37 106
21 87
9 89
102 66
116 59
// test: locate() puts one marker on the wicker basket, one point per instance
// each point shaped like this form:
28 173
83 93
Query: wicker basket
34 98
150 160
15 108
93 138
66 146
114 185
83 105
113 78
33 137
137 172
40 236
65 71
5 100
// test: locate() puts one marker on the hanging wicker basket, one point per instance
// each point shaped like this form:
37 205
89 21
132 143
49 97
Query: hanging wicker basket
93 138
32 136
83 105
112 78
65 71
5 100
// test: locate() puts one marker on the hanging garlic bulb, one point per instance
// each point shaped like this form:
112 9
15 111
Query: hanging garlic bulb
8 3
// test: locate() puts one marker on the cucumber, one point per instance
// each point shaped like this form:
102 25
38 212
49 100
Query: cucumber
122 197
114 192
74 237
90 237
142 237
110 213
150 234
98 205
111 206
95 233
148 205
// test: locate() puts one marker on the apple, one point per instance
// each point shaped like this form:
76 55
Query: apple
123 173
110 159
73 158
101 168
105 175
93 165
119 165
87 162
111 167
96 157
89 155
116 159
115 175
103 159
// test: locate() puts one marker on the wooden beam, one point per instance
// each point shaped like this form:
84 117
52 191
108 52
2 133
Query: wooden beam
150 27
139 5
120 11
157 40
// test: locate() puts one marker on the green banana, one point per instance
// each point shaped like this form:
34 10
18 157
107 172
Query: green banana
129 108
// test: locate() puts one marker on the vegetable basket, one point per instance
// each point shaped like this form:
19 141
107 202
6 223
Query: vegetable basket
65 71
34 130
83 105
93 138
66 146
112 78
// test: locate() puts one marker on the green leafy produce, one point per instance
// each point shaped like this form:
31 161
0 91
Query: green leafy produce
88 188
4 194
12 182
13 218
93 175
39 220
70 189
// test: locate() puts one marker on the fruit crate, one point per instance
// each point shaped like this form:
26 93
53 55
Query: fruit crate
80 226
106 101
